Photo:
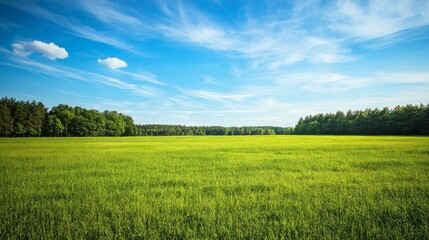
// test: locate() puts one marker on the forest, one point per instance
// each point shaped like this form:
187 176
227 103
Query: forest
33 119
401 120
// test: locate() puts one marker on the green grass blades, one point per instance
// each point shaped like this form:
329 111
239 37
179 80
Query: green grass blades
244 187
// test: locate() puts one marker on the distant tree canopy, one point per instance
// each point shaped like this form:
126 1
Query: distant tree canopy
32 119
402 120
179 130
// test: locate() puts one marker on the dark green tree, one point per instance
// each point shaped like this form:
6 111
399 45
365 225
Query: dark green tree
6 120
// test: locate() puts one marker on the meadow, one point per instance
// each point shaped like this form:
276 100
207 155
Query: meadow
242 187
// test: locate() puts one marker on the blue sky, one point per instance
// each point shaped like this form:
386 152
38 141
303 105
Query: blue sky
229 63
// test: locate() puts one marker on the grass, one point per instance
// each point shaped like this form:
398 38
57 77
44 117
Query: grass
247 187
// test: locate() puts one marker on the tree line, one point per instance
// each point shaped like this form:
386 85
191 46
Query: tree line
33 119
179 130
401 120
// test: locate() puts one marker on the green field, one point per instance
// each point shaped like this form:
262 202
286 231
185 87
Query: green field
248 187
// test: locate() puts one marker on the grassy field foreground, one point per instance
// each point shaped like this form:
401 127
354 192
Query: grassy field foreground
215 187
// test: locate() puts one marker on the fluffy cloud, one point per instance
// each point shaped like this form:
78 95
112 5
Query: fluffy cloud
48 50
113 63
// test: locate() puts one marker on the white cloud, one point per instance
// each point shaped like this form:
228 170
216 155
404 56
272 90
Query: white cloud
112 63
48 50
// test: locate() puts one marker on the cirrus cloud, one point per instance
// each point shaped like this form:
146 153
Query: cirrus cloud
112 63
48 50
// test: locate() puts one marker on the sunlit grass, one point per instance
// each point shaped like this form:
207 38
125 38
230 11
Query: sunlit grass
215 187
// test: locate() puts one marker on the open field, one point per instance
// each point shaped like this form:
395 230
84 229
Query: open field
215 187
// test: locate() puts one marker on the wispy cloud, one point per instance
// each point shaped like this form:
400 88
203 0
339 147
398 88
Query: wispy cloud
110 13
189 25
329 82
143 76
117 83
184 102
211 37
272 43
210 80
218 96
35 66
401 77
378 19
97 36
322 35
